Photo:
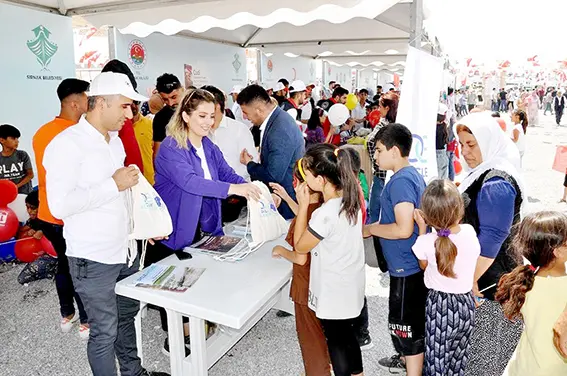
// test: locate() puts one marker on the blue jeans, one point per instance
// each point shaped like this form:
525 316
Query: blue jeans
503 106
451 157
375 193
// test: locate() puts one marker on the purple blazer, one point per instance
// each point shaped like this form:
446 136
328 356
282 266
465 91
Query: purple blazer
190 198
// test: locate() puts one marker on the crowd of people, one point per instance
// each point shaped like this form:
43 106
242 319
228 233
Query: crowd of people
461 300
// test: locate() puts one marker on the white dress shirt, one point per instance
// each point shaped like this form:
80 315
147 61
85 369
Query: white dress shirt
239 115
232 137
79 165
264 125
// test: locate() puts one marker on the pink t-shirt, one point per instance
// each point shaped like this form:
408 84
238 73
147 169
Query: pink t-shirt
468 250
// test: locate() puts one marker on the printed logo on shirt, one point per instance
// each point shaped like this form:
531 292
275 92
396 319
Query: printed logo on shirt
13 172
312 299
400 331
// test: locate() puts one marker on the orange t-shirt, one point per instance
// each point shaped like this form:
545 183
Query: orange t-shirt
41 139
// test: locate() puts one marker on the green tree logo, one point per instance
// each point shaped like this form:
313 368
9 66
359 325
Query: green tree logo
42 47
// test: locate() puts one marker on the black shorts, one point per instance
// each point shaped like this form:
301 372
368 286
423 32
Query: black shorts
406 319
565 181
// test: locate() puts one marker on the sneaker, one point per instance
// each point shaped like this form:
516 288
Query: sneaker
394 364
84 331
67 324
283 314
165 349
365 342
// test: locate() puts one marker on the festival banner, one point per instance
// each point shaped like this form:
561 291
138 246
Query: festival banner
418 107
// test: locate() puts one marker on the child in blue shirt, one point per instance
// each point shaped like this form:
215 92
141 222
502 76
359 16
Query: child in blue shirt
398 232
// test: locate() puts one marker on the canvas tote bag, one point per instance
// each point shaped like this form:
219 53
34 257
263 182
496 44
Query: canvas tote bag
148 217
266 223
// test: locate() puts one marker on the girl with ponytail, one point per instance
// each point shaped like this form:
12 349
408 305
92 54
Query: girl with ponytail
449 256
333 236
537 293
520 127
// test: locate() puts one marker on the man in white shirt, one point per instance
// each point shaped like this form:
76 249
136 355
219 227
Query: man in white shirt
359 112
85 185
230 136
236 110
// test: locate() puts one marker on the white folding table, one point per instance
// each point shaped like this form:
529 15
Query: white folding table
234 295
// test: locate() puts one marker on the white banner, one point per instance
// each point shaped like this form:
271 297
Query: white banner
342 75
418 107
195 62
37 54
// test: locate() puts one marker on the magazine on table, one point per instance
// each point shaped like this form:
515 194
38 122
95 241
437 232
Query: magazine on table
168 277
219 245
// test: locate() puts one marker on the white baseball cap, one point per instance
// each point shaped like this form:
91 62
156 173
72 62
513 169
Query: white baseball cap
110 83
297 85
279 86
236 89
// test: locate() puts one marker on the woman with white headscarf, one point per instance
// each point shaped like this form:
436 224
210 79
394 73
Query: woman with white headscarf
493 193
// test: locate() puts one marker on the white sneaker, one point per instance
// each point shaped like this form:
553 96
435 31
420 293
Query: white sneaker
84 331
67 324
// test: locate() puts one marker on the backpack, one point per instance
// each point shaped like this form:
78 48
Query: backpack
148 217
266 223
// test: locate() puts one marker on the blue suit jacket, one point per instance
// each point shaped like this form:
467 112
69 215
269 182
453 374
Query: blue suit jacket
282 146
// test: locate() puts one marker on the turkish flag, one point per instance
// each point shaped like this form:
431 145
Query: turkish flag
533 58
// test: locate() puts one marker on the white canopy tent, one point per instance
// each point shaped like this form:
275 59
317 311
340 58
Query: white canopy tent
363 33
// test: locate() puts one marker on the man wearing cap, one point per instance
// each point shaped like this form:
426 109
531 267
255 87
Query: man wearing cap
279 92
85 183
340 95
170 90
359 112
236 110
294 103
309 104
73 98
127 133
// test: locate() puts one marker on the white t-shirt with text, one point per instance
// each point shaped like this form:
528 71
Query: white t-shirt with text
337 281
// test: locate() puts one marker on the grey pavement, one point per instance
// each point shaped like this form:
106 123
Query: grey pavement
31 343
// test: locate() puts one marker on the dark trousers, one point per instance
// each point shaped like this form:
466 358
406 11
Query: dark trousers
503 105
63 282
361 322
344 350
111 316
558 114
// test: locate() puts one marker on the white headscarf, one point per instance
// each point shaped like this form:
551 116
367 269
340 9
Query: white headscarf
498 151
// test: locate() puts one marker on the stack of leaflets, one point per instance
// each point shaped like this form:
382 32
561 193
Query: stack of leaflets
168 277
223 248
219 245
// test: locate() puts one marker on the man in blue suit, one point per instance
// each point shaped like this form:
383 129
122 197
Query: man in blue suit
281 145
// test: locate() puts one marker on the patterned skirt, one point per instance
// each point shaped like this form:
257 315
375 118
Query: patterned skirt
494 340
449 326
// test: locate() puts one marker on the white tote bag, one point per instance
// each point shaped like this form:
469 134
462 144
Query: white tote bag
266 223
149 217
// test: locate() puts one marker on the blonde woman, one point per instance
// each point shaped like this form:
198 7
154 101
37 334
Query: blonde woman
192 178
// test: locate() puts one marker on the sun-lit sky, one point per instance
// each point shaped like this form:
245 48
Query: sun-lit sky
489 30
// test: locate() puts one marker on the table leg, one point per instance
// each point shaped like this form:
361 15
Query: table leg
199 366
176 342
138 326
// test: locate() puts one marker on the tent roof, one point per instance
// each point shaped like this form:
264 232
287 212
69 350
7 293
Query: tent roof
372 32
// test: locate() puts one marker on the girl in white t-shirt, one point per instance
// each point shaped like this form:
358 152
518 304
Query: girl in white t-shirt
334 238
449 256
519 126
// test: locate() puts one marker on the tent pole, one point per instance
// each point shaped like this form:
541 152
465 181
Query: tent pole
416 23
112 43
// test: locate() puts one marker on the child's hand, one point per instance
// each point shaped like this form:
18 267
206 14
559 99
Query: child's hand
276 252
279 190
303 195
38 234
366 231
418 217
30 233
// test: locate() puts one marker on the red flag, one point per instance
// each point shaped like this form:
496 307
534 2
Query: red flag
469 61
396 81
505 64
